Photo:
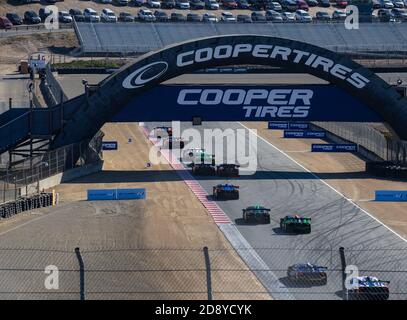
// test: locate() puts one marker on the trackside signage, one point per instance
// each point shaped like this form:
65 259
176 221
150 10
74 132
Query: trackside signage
304 134
115 194
346 147
109 145
293 104
391 195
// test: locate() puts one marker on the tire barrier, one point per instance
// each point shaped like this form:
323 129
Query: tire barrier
12 208
387 169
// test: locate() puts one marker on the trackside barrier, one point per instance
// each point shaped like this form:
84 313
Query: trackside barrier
41 200
115 194
391 195
304 134
281 125
326 147
109 145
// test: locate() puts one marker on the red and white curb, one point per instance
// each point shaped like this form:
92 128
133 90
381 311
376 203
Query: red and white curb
217 214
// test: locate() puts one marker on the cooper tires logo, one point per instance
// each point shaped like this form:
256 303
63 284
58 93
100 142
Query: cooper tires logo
145 74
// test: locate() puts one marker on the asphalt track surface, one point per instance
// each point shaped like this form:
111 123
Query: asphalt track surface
287 188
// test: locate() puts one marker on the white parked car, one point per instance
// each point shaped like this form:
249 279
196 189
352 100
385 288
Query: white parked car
108 15
387 4
213 4
64 17
146 15
209 17
302 16
182 4
91 15
154 4
398 3
106 1
227 17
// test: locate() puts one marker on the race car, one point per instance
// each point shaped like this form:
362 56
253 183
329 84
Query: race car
225 191
227 170
307 273
197 155
172 143
161 132
256 213
203 169
296 224
368 288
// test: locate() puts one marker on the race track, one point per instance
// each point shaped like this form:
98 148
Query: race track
287 188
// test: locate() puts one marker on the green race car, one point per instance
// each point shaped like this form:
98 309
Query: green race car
256 213
296 224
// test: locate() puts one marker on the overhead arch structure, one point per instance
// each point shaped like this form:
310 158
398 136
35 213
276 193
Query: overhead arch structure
116 91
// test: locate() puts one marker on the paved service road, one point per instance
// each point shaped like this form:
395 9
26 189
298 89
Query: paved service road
287 188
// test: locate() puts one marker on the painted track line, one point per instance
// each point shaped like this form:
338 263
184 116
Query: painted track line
324 182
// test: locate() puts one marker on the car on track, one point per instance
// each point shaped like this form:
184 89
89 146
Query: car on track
203 169
162 131
227 170
172 143
197 155
256 214
225 192
14 18
307 273
368 288
296 224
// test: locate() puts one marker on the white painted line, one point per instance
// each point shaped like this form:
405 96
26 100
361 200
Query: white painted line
324 182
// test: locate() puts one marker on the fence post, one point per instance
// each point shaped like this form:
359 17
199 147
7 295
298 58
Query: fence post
208 273
81 273
343 267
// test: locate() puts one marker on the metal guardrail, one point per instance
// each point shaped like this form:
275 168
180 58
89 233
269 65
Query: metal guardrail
30 29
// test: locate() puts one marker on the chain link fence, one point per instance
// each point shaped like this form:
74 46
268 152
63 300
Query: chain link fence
189 274
24 178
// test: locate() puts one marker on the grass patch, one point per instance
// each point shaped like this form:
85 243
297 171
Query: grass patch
110 64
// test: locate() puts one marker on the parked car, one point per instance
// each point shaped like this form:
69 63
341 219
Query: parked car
194 17
312 3
209 17
322 16
398 3
302 16
122 2
167 4
245 18
178 17
14 18
161 16
243 4
31 17
342 3
376 4
106 1
77 15
227 17
5 23
211 4
324 3
338 15
274 16
146 15
197 4
91 15
386 4
108 15
182 4
64 17
229 4
289 5
43 15
258 16
275 6
288 16
126 17
385 15
154 4
302 5
399 14
139 3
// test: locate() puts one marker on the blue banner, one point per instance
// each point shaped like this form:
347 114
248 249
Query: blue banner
287 103
109 145
115 194
391 195
299 125
326 147
277 125
130 194
304 134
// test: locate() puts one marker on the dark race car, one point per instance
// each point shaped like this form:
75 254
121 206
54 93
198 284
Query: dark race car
172 143
227 170
203 169
226 192
159 132
256 214
307 273
368 288
296 224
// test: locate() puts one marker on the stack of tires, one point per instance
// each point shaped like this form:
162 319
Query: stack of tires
387 169
11 208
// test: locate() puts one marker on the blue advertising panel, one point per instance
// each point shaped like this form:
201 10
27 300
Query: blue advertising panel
299 125
115 194
288 103
330 147
130 194
304 134
391 195
278 125
109 145
101 194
